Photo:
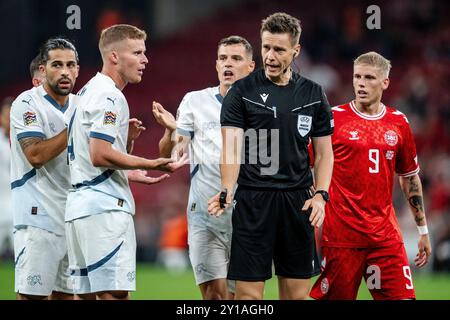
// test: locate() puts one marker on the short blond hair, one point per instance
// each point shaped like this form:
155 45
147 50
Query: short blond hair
117 33
376 60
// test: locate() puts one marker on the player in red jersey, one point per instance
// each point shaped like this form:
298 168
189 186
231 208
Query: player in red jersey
361 236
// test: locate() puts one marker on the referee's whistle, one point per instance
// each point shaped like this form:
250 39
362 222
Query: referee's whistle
223 198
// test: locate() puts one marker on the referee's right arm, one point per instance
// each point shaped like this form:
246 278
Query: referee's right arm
230 159
232 121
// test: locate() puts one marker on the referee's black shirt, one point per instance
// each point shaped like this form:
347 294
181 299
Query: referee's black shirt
299 110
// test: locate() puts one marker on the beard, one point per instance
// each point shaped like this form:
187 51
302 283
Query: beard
60 91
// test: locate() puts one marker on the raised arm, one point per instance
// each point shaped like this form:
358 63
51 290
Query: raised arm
171 144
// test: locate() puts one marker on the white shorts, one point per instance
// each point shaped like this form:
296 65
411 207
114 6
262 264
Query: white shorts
102 252
209 252
41 262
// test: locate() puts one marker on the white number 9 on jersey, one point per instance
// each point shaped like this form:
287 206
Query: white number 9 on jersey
374 157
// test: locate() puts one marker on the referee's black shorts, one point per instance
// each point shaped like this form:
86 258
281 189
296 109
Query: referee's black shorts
269 225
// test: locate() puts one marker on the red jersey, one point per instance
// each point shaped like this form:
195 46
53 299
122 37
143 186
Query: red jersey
368 150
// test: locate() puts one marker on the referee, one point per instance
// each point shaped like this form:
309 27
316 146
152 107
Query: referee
275 214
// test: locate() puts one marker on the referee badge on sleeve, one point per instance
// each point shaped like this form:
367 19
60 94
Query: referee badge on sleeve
304 124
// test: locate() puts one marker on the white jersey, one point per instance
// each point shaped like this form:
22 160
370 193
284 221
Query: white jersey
5 183
101 112
38 195
198 117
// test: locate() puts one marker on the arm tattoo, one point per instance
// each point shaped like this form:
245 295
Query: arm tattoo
413 185
417 203
26 142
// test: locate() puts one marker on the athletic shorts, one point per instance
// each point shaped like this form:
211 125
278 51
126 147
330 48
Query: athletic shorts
102 252
209 253
386 272
41 262
270 226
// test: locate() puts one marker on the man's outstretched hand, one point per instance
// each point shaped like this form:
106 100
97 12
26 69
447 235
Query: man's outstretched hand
140 176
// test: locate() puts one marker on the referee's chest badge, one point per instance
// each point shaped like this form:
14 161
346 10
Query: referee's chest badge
304 124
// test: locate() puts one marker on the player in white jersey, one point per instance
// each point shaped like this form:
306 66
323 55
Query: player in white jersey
198 124
6 218
39 176
100 207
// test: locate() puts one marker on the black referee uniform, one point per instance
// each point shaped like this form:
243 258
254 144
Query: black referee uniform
267 219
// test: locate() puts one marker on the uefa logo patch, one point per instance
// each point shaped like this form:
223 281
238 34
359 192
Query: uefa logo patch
324 286
110 118
29 118
391 138
304 124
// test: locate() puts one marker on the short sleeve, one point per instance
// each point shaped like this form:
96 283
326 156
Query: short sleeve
185 117
233 109
323 123
105 117
26 118
406 161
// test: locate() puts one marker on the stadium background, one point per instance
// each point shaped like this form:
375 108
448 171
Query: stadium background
181 48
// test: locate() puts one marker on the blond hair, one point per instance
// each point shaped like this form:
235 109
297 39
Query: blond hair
375 60
117 33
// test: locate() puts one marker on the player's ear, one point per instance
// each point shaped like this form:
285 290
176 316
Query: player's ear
113 55
297 49
385 84
42 69
251 66
78 71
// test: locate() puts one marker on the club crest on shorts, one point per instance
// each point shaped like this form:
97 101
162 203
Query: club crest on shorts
110 118
304 124
29 118
324 286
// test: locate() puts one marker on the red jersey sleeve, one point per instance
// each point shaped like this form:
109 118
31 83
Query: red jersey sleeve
311 154
407 163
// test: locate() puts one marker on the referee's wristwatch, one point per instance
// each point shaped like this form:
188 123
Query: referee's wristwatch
324 195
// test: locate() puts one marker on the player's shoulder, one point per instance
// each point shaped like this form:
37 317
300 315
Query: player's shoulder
30 93
102 86
199 97
109 97
202 93
341 108
26 99
250 82
396 115
305 82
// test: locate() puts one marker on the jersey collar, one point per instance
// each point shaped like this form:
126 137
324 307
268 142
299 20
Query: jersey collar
53 102
366 116
218 96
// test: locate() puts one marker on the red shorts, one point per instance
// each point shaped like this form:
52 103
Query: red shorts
385 270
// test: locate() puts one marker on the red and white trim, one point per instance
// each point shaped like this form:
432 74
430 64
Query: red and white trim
409 174
366 116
